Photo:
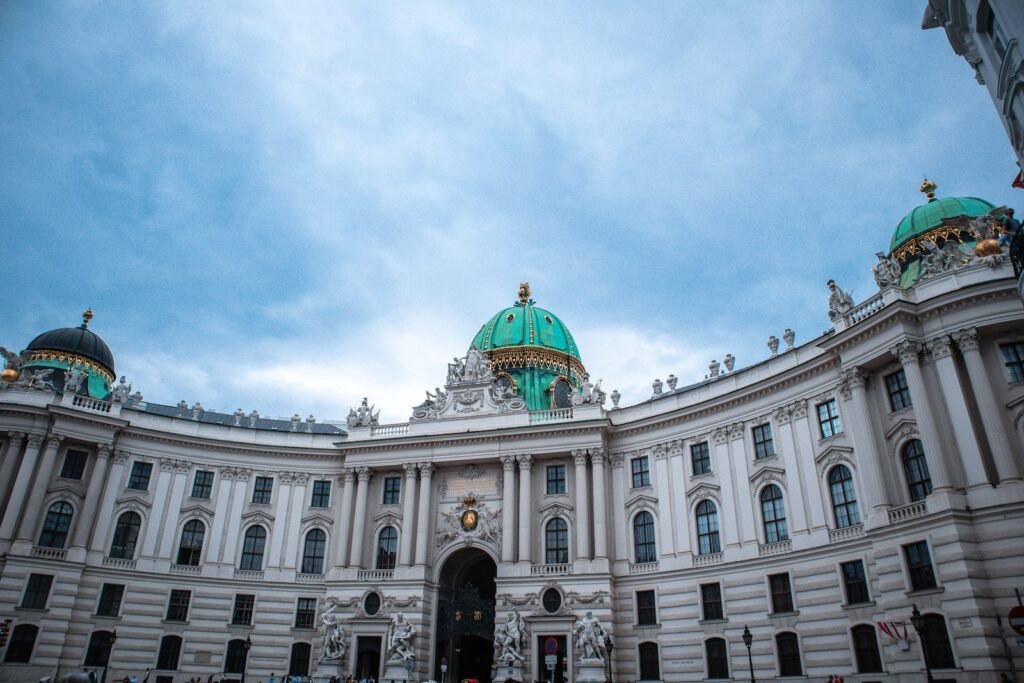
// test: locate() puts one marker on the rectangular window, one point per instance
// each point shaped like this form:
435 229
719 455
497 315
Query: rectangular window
177 606
139 479
711 601
202 485
995 34
764 447
241 615
262 489
74 464
556 479
919 566
646 608
1013 357
828 419
321 494
305 613
700 456
782 596
392 490
899 394
110 600
641 472
37 591
855 582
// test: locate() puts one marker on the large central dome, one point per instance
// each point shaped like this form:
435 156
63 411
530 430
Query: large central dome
535 350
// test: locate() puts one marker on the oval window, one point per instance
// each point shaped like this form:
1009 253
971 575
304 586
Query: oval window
552 600
371 605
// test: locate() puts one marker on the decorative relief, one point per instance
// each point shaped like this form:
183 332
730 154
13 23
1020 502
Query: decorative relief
597 597
579 456
675 447
470 520
768 475
508 599
735 431
833 456
618 459
508 463
908 351
967 340
525 461
940 347
704 491
659 452
798 409
720 435
781 415
36 441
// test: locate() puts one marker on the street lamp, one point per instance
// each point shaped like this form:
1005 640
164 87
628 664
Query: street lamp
918 621
110 650
609 646
747 640
245 663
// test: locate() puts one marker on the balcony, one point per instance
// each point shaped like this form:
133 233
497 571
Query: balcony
643 567
550 569
186 569
49 553
545 416
248 575
399 429
845 533
905 512
118 563
375 574
707 560
309 578
765 549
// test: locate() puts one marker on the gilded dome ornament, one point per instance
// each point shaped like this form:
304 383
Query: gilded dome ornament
524 293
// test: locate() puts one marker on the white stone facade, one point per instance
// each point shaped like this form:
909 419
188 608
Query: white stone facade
951 546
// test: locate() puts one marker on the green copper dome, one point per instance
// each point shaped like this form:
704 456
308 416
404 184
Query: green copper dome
525 324
934 214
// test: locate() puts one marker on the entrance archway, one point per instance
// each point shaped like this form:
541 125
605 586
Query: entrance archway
465 616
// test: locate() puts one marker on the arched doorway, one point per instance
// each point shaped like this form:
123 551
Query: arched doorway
465 616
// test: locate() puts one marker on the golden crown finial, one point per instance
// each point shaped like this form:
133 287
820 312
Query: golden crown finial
524 293
86 317
928 187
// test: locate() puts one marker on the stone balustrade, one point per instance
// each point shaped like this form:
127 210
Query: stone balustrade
550 569
905 512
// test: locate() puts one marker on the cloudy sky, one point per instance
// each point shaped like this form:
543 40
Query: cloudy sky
288 206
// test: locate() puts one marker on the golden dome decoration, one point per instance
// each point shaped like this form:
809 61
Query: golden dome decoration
9 375
989 247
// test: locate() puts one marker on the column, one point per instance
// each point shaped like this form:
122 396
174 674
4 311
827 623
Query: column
508 507
280 530
405 556
658 459
20 490
110 488
852 389
988 407
236 502
741 475
33 509
959 416
807 473
582 507
344 518
220 515
87 516
7 469
423 515
359 523
619 506
293 526
597 459
680 507
168 539
909 354
727 514
525 507
161 489
782 425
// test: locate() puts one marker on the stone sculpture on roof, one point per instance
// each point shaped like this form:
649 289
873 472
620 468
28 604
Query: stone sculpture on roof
839 302
364 416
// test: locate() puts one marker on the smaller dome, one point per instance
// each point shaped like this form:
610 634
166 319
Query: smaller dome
934 214
79 341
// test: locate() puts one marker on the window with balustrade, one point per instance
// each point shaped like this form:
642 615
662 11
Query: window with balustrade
387 548
644 545
773 515
126 536
707 528
915 466
844 497
56 525
253 546
313 551
556 541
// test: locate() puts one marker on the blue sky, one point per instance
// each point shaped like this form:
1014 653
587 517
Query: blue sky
288 206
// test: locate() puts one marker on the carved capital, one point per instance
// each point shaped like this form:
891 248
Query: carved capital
720 435
597 456
967 340
525 461
781 415
410 470
242 474
940 347
35 441
104 450
363 473
53 441
16 439
618 459
227 473
508 463
167 464
798 409
121 456
427 469
735 431
579 456
347 475
908 351
300 478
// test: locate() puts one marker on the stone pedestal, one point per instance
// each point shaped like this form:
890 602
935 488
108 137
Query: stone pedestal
590 671
504 673
326 670
395 672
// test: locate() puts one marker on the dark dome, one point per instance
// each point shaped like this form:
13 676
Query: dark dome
78 340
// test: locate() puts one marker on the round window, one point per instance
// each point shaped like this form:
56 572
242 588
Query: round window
552 600
371 605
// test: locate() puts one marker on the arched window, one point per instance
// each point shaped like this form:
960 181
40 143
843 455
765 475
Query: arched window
650 664
126 534
773 513
844 498
170 652
298 663
936 642
313 552
98 652
56 526
788 649
562 393
865 649
252 549
717 657
643 537
556 541
387 545
235 658
23 640
191 546
707 528
916 467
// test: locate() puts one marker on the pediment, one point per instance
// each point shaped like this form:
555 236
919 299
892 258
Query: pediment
555 507
904 426
642 499
768 472
197 509
704 490
133 499
835 453
66 489
317 518
257 516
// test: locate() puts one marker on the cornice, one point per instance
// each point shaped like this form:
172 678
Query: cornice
145 434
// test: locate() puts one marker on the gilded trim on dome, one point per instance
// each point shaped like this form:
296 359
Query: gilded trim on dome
916 244
511 357
73 359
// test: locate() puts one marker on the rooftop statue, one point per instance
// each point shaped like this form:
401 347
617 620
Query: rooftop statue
121 391
73 380
887 271
839 302
364 416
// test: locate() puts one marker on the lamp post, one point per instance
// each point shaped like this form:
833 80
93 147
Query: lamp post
918 621
110 650
609 646
245 663
747 640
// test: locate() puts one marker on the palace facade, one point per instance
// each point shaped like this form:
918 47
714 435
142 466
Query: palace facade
814 499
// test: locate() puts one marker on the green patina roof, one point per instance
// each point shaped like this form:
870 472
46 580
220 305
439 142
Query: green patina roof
934 214
526 325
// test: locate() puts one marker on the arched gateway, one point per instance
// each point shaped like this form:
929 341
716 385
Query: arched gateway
465 616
